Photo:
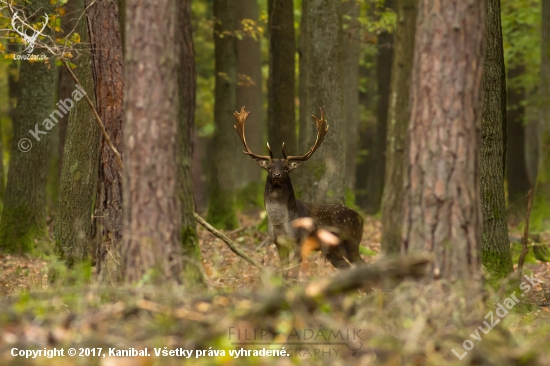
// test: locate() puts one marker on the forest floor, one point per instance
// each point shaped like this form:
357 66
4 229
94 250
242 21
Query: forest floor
408 323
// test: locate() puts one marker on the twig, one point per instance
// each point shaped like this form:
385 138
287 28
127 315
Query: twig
227 241
525 248
263 243
97 117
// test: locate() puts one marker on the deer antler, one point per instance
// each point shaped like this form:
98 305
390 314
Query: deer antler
241 117
322 129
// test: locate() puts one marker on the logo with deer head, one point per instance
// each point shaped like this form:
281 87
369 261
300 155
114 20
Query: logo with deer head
29 40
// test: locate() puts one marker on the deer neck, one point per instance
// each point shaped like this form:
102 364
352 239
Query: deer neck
280 202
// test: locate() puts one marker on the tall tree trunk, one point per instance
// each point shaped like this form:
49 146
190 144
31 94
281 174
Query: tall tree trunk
384 62
221 209
192 258
516 169
250 94
323 176
151 247
398 122
281 119
23 217
495 248
442 212
350 86
108 71
73 225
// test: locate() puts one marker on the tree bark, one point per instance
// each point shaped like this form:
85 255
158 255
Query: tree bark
495 248
398 120
221 209
323 175
108 71
151 249
24 214
192 258
350 63
74 229
281 118
250 94
442 212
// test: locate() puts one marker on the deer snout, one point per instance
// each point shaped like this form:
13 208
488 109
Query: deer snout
276 175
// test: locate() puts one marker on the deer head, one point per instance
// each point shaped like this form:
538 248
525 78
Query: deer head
278 169
29 40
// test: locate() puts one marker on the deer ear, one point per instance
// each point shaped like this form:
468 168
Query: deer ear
262 163
294 164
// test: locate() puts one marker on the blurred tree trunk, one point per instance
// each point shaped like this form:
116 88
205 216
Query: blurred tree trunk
250 94
442 212
533 140
122 22
304 116
398 122
108 71
281 119
516 167
350 85
375 185
24 214
151 249
73 225
323 176
221 208
192 258
495 248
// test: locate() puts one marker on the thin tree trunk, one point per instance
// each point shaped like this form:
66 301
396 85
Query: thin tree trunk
74 228
24 214
442 212
495 248
221 209
250 94
350 63
398 121
323 176
151 247
192 258
108 71
281 118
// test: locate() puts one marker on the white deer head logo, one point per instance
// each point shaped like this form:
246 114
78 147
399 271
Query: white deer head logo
29 40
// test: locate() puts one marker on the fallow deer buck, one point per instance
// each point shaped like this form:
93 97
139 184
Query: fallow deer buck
282 206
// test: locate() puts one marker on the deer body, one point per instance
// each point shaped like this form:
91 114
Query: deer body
283 208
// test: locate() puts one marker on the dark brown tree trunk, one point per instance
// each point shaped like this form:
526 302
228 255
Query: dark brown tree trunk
250 94
151 249
516 169
323 176
281 120
442 212
221 208
108 71
24 214
495 248
398 122
350 85
192 258
384 62
74 228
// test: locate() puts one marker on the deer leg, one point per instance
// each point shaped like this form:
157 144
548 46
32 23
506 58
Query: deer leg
284 254
336 258
352 250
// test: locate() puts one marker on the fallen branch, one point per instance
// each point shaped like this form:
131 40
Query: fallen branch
227 241
525 248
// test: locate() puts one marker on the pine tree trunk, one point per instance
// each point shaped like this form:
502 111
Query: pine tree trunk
221 208
281 118
73 226
495 248
323 175
442 212
108 71
192 258
350 82
151 247
398 122
250 94
24 214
